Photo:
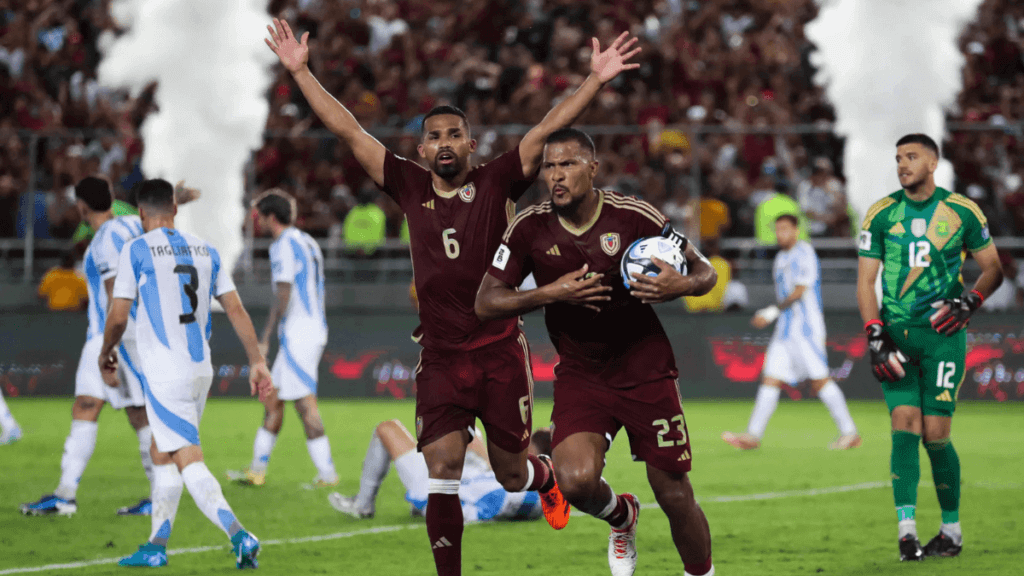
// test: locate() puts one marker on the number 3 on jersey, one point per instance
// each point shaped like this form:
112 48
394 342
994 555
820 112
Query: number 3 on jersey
190 291
451 245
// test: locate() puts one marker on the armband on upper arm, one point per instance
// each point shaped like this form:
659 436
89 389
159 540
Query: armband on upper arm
675 237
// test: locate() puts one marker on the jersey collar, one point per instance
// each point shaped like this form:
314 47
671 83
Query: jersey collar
581 230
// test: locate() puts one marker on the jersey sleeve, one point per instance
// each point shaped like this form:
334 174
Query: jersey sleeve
512 263
220 281
650 221
507 170
106 255
869 242
282 264
401 176
807 267
976 233
128 266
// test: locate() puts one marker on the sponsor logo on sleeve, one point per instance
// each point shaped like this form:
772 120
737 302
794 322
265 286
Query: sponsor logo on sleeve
501 257
865 240
985 234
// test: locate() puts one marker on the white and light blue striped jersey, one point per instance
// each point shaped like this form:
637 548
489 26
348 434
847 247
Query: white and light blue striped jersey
804 320
296 259
101 259
174 275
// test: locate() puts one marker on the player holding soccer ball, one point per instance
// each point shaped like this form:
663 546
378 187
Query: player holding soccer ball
616 367
917 342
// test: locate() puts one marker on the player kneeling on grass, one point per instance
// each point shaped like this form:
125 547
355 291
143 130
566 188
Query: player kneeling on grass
174 276
480 493
797 349
616 365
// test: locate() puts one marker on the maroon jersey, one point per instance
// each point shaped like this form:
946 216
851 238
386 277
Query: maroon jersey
622 345
453 236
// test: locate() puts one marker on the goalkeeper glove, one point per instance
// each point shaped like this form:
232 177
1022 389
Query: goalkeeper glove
886 359
954 314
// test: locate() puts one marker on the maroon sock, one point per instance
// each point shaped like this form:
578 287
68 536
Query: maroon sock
699 569
444 526
620 514
543 479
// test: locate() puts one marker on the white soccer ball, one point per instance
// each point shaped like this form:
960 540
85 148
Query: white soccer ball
637 259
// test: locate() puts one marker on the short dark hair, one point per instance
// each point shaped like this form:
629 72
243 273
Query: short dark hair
573 135
132 197
278 203
791 217
95 192
922 139
444 110
156 193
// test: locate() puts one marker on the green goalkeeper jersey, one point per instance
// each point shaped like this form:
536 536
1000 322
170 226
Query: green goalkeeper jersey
921 246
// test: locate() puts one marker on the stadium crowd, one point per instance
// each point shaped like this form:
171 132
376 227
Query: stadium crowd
715 66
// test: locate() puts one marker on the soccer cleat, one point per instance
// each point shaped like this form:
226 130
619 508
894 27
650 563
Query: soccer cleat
143 508
50 504
845 442
247 477
10 436
622 543
742 441
347 505
554 504
148 555
246 548
910 549
319 482
942 545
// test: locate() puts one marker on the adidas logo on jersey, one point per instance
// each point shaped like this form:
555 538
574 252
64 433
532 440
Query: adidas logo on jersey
442 543
429 204
944 397
553 251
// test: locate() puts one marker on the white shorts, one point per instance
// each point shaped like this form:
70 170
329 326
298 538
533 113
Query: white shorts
89 382
175 409
795 360
296 368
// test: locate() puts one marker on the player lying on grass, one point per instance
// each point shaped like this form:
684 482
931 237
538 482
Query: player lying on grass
616 367
482 497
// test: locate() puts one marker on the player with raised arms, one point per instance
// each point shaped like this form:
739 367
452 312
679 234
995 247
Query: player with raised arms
918 341
173 276
456 213
94 200
616 367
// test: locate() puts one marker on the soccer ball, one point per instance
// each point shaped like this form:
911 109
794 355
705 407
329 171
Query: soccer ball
637 259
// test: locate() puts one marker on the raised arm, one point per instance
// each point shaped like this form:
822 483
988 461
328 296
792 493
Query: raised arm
284 294
294 56
259 375
496 299
603 67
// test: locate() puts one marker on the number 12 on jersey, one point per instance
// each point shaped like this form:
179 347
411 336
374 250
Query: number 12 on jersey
918 253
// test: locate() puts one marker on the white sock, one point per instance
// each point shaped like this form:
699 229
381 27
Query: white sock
908 528
206 492
764 407
78 449
145 435
261 449
7 421
412 468
832 396
952 530
709 572
375 467
166 494
320 453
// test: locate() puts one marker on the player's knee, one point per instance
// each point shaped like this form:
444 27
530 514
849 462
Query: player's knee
511 481
313 426
86 408
578 483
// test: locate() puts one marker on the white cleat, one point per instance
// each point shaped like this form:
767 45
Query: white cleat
347 505
10 436
845 442
622 543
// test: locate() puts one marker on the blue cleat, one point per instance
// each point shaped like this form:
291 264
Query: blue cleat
10 436
245 547
148 555
143 508
50 504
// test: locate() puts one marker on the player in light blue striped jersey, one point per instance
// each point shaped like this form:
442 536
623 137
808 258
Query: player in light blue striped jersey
298 316
174 275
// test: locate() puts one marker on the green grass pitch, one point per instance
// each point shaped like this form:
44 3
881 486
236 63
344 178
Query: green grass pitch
790 530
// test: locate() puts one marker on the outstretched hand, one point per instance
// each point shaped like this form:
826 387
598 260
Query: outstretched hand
294 54
608 64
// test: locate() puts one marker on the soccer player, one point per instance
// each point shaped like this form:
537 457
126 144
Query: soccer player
616 367
481 495
456 214
10 432
917 341
174 275
298 315
797 348
94 200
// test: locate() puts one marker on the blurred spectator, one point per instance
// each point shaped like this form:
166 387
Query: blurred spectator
769 211
713 301
1010 294
364 227
823 200
62 287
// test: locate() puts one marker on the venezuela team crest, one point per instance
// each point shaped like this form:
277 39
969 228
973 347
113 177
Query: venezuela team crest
610 243
467 192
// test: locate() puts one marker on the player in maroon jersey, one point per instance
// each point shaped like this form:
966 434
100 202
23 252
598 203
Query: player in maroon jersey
616 368
468 369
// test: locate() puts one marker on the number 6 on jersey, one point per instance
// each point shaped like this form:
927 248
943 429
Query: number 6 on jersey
451 245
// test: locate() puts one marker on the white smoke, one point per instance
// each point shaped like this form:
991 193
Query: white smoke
212 69
890 68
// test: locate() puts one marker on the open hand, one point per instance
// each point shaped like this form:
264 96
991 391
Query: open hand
578 287
608 64
669 284
293 54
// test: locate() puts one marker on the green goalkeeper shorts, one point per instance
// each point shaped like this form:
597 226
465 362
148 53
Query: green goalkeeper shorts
934 373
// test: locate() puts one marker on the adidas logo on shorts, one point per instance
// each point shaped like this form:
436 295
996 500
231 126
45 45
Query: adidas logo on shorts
442 543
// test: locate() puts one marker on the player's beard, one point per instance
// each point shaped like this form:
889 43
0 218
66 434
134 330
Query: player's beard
568 209
448 171
915 184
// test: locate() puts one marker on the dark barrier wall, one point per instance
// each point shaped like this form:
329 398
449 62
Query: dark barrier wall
371 354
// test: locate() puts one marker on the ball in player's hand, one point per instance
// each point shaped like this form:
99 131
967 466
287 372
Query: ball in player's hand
637 259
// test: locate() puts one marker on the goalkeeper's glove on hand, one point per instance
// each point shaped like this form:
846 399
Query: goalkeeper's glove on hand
886 359
954 314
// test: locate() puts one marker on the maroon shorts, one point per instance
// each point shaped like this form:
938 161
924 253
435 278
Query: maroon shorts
651 413
493 383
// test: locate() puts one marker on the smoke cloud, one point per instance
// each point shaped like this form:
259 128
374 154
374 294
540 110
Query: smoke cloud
890 68
213 70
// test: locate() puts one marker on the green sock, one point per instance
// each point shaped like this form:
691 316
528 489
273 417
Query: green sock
905 466
946 474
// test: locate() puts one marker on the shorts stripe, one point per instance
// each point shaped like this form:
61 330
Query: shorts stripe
529 366
176 423
306 379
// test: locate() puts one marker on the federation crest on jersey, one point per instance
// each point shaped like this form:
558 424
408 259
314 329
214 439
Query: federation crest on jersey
467 192
942 228
610 243
918 226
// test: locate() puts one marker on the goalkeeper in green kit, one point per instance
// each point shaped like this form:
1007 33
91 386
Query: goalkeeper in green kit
917 340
